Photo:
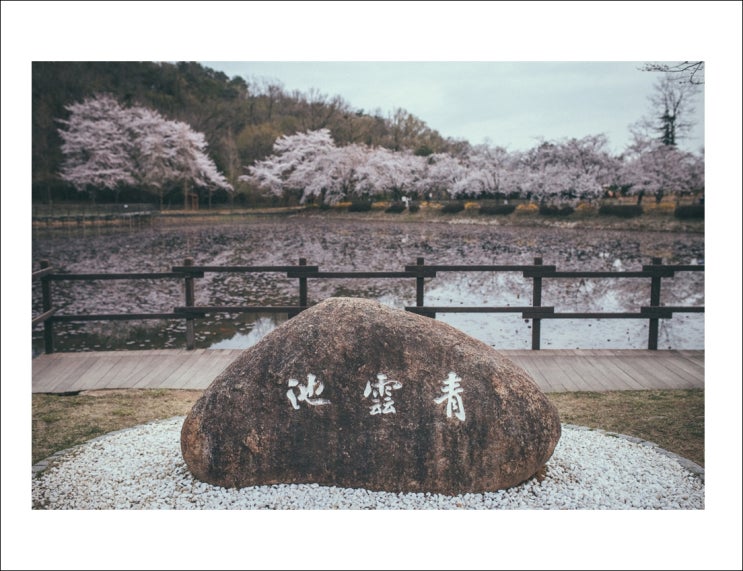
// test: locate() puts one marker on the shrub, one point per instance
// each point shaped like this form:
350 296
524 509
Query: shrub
546 210
360 206
414 207
453 207
585 208
396 207
689 211
527 208
497 208
621 210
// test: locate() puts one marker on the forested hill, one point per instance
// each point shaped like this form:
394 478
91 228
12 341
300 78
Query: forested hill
240 120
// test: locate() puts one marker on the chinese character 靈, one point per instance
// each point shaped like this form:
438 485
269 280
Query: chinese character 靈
381 394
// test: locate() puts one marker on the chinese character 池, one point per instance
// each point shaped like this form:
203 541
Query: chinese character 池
381 393
306 393
453 396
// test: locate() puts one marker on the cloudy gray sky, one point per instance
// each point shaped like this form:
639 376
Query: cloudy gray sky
510 104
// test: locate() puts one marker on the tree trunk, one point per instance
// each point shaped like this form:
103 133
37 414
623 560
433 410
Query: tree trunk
185 195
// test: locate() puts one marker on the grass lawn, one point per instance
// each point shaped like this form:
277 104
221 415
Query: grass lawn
673 419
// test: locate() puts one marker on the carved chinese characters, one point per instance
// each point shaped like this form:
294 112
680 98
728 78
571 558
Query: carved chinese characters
452 396
380 392
381 389
308 392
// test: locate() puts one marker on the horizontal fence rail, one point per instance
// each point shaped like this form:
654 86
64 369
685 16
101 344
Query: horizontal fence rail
537 272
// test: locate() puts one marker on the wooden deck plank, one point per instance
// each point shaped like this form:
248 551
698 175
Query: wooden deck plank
669 370
545 380
43 362
692 358
565 373
219 360
592 373
593 370
551 369
666 370
182 375
44 374
603 363
172 378
602 378
679 369
132 368
66 370
554 370
642 377
198 372
159 369
591 379
104 368
682 366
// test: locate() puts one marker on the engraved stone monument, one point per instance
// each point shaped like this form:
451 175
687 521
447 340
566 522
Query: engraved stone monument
356 394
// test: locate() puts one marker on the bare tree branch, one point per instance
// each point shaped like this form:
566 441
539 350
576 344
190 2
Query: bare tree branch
688 71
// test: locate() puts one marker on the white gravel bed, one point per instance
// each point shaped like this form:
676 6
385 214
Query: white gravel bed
142 468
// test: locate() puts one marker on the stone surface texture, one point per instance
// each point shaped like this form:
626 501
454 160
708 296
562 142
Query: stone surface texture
354 393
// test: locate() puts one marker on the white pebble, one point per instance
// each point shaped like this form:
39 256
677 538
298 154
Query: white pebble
142 468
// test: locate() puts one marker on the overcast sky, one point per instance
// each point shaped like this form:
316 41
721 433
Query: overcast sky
509 104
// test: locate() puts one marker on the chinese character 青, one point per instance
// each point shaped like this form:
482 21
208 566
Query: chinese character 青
306 393
381 394
453 396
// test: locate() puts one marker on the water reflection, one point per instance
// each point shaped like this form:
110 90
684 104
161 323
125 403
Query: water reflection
262 327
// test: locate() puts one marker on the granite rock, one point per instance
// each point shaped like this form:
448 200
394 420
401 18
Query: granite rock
356 394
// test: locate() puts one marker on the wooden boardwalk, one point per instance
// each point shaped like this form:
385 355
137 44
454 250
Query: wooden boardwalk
554 370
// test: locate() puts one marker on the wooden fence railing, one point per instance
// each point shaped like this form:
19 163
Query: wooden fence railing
419 272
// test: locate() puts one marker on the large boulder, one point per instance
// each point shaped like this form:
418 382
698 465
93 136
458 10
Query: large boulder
353 393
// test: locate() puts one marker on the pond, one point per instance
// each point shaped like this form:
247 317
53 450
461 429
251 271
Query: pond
344 244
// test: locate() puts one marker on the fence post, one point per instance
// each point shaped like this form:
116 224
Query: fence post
303 285
46 293
654 302
419 282
536 301
190 341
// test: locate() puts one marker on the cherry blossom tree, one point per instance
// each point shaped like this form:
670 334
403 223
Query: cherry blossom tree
190 165
107 146
443 173
391 173
476 182
654 168
97 146
285 171
310 166
485 168
568 171
336 173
